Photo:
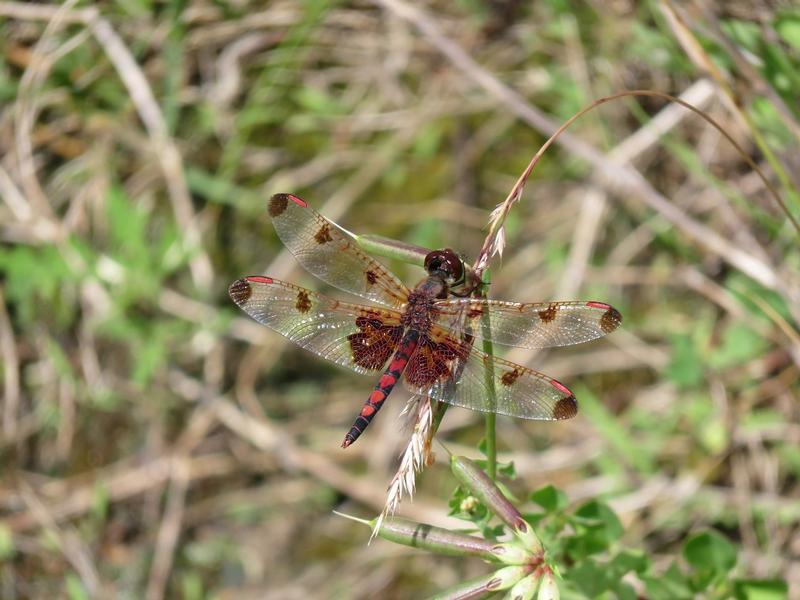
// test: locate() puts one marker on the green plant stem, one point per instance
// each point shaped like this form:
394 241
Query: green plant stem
490 417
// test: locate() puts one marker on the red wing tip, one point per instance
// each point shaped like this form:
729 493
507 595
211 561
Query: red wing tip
295 199
241 289
611 317
600 305
561 387
567 406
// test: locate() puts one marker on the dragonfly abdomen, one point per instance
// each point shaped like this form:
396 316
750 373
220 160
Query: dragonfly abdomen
384 387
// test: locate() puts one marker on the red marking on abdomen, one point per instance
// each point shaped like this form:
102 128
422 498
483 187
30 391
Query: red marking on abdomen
398 363
602 305
259 279
387 381
297 201
560 387
384 387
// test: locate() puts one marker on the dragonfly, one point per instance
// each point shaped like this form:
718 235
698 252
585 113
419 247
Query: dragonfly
423 336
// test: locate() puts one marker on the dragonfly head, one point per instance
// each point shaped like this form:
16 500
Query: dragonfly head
447 264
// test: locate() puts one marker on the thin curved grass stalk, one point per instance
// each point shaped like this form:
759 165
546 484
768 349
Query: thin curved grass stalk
490 418
494 244
495 240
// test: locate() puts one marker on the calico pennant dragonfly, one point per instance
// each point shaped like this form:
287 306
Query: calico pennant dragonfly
421 336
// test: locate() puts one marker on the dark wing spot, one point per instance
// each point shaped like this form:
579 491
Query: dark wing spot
323 236
371 277
374 344
434 361
277 204
610 320
565 408
303 301
509 377
549 314
240 291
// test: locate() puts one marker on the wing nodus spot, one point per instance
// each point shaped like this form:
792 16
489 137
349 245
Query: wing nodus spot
323 236
509 377
372 277
549 314
303 302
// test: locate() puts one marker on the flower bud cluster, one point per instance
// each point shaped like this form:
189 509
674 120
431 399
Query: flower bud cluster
522 569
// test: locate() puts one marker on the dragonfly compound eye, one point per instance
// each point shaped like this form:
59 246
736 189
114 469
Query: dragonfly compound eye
445 261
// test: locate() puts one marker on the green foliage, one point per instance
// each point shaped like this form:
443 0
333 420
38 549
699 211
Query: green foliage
585 545
75 589
585 542
317 100
6 543
39 285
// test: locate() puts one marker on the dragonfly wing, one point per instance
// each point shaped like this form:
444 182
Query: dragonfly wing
361 338
330 253
455 372
528 325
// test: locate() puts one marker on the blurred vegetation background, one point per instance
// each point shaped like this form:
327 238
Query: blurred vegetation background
156 443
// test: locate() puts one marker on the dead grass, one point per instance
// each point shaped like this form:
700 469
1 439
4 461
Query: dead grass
157 443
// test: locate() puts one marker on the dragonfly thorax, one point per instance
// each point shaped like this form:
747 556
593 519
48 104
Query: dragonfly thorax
417 314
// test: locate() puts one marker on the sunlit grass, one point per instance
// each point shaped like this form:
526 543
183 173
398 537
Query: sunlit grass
155 440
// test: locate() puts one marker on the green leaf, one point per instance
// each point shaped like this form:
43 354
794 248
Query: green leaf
760 589
75 589
598 511
788 27
629 560
507 469
739 345
594 578
549 498
317 101
100 502
596 526
624 591
127 227
150 355
671 586
711 552
6 542
590 577
427 143
38 284
685 368
192 586
628 450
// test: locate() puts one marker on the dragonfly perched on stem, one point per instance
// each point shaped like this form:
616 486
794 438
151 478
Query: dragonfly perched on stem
422 336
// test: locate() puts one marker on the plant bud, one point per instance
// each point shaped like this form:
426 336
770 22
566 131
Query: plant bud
548 590
482 486
511 554
525 588
436 539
